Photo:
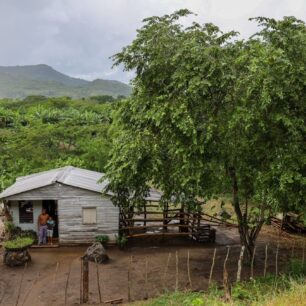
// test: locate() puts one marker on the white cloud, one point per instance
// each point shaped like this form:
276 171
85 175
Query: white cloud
77 37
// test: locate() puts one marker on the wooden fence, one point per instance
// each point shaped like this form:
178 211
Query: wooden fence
266 259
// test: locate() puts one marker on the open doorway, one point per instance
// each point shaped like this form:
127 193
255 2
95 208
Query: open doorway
51 208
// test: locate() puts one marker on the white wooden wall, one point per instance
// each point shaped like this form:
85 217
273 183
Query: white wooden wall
70 201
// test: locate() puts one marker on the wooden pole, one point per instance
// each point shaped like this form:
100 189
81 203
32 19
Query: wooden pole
98 281
212 267
292 250
240 263
188 269
266 261
276 259
85 280
166 270
252 263
81 282
20 285
129 279
146 279
67 282
225 277
176 271
303 256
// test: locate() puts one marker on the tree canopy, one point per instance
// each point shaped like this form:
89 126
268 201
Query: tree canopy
40 133
211 114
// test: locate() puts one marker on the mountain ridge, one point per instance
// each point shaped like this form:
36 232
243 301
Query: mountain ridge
21 81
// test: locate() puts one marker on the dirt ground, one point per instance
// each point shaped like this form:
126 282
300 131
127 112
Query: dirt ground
42 286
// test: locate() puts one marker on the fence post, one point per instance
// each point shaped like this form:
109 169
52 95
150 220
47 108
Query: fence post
85 280
276 259
146 280
252 263
188 270
266 261
212 267
225 277
98 281
240 263
176 271
303 256
129 279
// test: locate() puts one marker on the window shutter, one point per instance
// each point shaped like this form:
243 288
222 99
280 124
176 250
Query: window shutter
25 212
89 215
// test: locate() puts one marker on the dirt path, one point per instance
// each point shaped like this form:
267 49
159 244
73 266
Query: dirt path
40 289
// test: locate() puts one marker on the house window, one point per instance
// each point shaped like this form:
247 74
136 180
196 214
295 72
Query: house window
89 215
25 212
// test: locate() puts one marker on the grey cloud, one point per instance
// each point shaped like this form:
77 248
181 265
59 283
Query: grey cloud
77 37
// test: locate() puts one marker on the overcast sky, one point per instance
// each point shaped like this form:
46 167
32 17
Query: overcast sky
77 37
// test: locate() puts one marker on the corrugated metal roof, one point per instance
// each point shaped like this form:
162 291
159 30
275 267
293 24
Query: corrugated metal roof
71 176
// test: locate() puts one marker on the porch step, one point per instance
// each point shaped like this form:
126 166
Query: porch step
45 246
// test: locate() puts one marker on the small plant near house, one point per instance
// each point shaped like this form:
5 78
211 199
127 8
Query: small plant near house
30 234
15 232
121 241
9 227
103 239
18 243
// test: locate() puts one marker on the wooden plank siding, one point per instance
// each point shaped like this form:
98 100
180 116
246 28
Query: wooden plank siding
70 202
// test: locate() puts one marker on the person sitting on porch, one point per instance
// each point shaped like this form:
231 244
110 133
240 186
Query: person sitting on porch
50 227
42 227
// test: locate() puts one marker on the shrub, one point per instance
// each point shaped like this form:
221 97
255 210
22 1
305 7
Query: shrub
121 241
18 243
103 239
9 226
16 232
30 234
296 268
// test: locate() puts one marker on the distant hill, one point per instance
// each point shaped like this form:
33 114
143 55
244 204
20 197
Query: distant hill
22 81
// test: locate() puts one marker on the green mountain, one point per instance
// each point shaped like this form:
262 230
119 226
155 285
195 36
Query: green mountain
22 81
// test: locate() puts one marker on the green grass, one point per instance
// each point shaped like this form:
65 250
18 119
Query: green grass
287 289
269 293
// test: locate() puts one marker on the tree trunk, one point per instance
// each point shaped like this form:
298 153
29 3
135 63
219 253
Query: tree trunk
247 236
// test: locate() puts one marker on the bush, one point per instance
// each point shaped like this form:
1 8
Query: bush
16 232
9 226
296 268
30 234
18 243
103 239
121 241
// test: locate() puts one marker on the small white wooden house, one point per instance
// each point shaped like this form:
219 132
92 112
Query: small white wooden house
73 197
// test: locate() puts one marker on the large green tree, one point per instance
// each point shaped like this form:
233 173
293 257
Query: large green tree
210 114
